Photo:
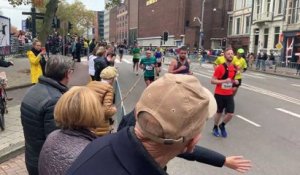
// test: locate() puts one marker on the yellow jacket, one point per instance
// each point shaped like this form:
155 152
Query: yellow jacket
35 67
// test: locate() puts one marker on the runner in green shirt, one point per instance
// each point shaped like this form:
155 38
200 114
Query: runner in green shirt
136 59
149 65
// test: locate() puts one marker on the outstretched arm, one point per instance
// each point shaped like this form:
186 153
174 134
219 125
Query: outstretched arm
210 157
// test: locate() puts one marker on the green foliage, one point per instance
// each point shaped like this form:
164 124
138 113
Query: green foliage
112 3
19 2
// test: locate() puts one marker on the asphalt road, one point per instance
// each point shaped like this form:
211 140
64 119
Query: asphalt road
264 129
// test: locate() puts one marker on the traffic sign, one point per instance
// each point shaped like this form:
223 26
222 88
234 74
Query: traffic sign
279 46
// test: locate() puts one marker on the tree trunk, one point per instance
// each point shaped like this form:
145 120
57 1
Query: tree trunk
51 8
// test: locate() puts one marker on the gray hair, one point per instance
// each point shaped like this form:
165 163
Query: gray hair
57 67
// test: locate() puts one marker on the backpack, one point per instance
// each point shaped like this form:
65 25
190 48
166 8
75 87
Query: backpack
225 75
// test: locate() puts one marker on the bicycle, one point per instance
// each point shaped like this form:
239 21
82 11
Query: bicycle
3 99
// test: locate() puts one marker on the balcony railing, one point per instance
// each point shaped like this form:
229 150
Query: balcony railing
263 17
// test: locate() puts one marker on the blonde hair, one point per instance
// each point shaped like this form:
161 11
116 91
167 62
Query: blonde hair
35 41
101 51
79 108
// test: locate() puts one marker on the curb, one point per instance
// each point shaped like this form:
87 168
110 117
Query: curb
12 151
19 86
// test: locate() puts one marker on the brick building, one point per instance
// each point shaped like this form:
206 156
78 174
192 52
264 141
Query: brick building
133 21
113 25
122 22
177 18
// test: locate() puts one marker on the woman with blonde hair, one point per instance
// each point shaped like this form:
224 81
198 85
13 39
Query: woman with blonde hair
77 112
36 60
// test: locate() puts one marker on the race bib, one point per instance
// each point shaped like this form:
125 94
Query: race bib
227 85
158 60
149 68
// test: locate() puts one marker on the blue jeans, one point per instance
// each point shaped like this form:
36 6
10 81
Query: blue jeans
258 64
263 65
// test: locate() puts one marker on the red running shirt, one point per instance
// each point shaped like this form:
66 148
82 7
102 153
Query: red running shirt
224 88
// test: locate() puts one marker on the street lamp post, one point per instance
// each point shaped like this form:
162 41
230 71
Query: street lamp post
201 25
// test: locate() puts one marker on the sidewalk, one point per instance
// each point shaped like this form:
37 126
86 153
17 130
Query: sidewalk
18 75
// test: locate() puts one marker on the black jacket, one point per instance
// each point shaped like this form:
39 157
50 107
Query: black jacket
100 63
200 153
37 116
120 153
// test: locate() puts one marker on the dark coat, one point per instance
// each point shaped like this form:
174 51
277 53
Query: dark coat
200 153
61 149
121 153
37 116
100 63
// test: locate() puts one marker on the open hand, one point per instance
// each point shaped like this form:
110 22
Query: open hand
238 163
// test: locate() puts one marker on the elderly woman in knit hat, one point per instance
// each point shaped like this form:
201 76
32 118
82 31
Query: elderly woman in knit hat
105 92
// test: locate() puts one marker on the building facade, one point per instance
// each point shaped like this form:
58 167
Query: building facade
132 21
101 25
178 19
268 19
239 25
291 32
106 23
122 23
113 25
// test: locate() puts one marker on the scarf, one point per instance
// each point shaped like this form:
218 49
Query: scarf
36 52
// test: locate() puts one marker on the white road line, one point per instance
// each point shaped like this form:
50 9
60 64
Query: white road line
296 85
202 75
211 71
249 121
117 61
261 91
119 89
288 112
126 61
253 76
268 76
270 93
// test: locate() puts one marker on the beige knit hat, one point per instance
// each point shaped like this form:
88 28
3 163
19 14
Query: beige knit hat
109 73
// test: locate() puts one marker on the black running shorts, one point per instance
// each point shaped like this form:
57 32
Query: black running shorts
225 102
149 78
134 60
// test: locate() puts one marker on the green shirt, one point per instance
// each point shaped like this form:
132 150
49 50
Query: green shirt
149 66
136 53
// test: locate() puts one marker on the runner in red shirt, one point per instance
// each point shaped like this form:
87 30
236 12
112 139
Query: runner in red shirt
223 78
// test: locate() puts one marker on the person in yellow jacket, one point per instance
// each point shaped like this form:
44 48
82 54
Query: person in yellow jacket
241 65
239 62
36 59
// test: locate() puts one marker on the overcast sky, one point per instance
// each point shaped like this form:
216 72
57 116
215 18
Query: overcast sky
16 17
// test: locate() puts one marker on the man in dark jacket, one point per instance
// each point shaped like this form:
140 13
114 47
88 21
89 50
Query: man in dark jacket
100 63
38 105
160 133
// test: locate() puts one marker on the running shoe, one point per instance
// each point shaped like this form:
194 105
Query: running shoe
215 132
223 131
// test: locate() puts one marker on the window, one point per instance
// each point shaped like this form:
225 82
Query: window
268 7
258 5
248 3
230 22
247 24
266 37
276 36
238 4
238 26
280 6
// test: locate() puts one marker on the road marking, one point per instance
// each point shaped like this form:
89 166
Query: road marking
126 61
211 71
202 75
288 112
117 61
253 76
271 93
249 121
296 85
267 76
262 91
